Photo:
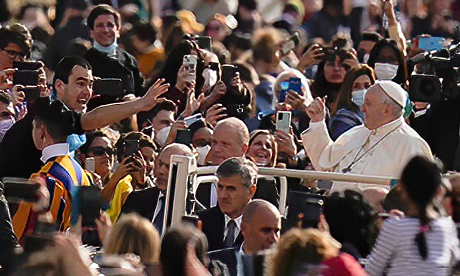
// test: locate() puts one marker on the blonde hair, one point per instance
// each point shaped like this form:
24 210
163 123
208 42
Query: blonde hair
299 247
134 234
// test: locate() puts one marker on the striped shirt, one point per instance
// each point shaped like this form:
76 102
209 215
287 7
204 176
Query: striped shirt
397 253
61 174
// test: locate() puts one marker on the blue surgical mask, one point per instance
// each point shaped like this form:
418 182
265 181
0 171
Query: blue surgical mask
357 97
75 141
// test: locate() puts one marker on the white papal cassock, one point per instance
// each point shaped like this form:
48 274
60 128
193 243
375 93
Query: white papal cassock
380 152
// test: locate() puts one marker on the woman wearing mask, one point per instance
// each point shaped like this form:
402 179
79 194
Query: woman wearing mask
346 109
388 62
201 140
6 113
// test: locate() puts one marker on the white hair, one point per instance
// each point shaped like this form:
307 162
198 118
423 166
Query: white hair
286 73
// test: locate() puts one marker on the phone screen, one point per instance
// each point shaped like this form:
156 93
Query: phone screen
109 87
228 73
191 119
204 42
184 136
16 189
31 93
295 84
25 77
131 147
189 62
431 43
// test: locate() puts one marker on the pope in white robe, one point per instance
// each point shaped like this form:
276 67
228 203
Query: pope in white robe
380 147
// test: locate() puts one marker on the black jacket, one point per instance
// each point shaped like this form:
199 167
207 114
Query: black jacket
18 155
8 240
214 227
124 67
142 202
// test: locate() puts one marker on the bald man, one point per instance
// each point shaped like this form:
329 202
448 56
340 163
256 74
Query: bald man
260 226
150 202
230 139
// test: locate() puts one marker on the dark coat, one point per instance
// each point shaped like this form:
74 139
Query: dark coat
124 67
214 227
142 202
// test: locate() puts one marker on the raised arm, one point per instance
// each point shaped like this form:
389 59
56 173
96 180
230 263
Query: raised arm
112 113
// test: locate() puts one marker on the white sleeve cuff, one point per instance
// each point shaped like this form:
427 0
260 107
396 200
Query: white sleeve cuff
316 125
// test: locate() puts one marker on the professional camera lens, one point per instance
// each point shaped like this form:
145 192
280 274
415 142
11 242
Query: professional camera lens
427 88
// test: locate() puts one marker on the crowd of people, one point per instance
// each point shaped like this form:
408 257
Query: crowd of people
96 97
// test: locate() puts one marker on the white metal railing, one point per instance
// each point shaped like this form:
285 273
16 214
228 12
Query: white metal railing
332 176
185 176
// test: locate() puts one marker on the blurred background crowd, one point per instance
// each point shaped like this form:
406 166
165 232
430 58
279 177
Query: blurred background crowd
96 96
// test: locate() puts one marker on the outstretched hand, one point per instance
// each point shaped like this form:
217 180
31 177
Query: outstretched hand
150 98
192 103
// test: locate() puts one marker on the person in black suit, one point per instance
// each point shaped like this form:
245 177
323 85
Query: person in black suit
150 202
260 227
235 188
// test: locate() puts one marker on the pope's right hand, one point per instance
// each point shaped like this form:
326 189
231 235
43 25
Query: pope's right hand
317 110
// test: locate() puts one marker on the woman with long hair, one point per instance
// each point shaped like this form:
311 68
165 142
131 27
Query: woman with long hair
262 148
425 241
388 61
346 108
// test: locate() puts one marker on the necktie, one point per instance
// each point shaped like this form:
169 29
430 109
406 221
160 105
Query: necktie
158 221
229 239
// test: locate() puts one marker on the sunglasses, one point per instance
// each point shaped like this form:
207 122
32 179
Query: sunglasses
99 151
13 54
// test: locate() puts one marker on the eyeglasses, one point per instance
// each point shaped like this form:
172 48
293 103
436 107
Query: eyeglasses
99 151
13 54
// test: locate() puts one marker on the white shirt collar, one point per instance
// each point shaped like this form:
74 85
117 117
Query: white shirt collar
237 220
158 207
241 251
388 126
54 150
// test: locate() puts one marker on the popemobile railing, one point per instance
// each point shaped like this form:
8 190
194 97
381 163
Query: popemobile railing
185 177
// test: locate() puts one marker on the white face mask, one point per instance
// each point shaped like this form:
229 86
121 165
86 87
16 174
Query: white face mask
4 126
162 135
386 71
365 58
357 97
210 78
202 153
